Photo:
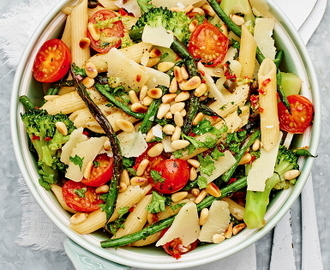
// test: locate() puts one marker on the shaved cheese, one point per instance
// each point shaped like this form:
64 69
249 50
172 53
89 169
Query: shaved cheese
86 151
217 221
187 216
167 145
132 144
131 74
157 131
156 78
260 8
262 168
158 36
130 5
173 3
76 137
263 32
223 164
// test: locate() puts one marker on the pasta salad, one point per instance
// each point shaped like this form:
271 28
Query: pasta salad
166 123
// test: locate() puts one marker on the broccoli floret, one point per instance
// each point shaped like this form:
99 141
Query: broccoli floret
257 202
47 141
176 22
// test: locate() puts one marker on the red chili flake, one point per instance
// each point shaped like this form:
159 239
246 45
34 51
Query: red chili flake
48 139
261 109
35 137
265 82
202 72
138 78
229 75
262 91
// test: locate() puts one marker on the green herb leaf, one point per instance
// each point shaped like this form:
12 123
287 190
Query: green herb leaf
81 192
156 176
77 161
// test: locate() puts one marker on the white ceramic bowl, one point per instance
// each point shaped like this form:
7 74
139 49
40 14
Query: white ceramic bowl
296 60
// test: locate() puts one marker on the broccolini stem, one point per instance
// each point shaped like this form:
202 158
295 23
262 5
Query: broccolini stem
26 102
106 126
165 223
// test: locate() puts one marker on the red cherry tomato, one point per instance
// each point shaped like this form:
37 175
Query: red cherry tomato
301 116
80 197
52 61
175 248
101 172
169 175
208 44
108 31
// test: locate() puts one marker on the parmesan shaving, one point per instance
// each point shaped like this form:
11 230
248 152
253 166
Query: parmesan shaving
132 144
158 36
263 32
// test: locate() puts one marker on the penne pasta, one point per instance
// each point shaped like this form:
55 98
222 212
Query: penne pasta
66 36
57 190
247 53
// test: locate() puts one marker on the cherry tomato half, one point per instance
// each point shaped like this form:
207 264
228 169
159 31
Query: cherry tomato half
108 31
175 248
80 197
101 172
208 44
301 116
169 175
52 61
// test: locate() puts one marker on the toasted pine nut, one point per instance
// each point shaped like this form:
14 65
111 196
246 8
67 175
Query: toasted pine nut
122 186
142 167
156 150
88 82
106 145
168 98
155 93
84 43
155 53
153 61
178 74
256 145
176 134
168 129
147 101
168 115
124 177
185 74
150 135
102 189
200 90
203 216
61 127
193 25
292 174
94 31
200 196
133 97
183 96
246 158
165 66
199 117
238 228
138 107
183 112
179 144
213 190
143 92
208 10
191 84
188 8
138 181
78 218
193 162
91 70
163 109
173 86
238 20
178 196
125 125
177 107
178 119
152 218
229 230
199 11
218 238
193 174
88 169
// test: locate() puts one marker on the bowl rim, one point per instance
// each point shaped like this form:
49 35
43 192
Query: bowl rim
255 235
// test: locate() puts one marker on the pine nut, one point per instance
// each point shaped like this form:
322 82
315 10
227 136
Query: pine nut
168 129
179 144
165 66
94 31
150 135
91 70
203 216
238 228
106 145
213 190
177 107
125 125
256 145
102 189
200 90
184 73
183 112
78 218
62 128
88 169
191 84
153 61
199 11
163 109
138 107
178 119
133 97
193 174
193 25
168 98
195 192
168 115
193 162
188 8
200 196
138 181
178 74
292 174
88 82
238 20
152 218
122 186
84 43
178 196
199 117
124 177
143 92
229 230
155 53
142 167
155 93
147 101
156 150
176 134
183 96
208 10
246 158
218 238
173 86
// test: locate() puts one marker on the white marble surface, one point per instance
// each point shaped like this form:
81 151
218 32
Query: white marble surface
12 256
